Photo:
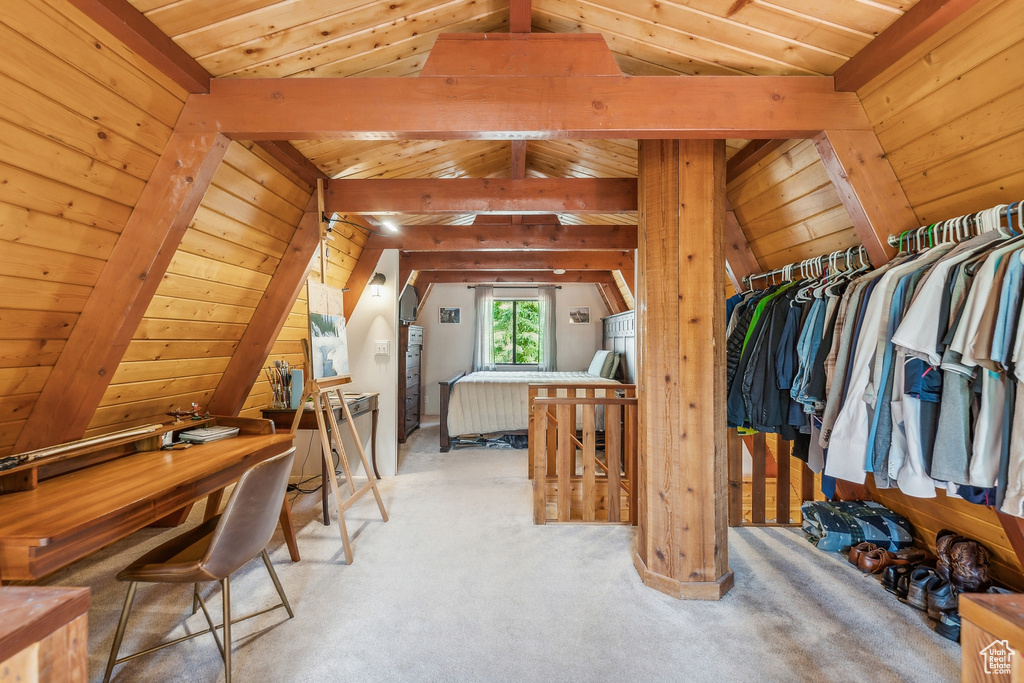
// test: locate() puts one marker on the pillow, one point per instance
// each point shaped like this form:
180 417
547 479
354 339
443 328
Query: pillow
602 361
614 369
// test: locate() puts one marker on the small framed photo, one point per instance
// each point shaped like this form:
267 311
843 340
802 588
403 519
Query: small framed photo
450 316
579 315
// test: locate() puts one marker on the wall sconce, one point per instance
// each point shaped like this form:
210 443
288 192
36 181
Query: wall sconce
377 284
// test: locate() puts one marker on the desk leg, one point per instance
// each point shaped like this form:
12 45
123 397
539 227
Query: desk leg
213 504
324 473
373 442
289 530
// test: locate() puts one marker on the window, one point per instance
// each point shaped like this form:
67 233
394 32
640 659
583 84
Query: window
517 332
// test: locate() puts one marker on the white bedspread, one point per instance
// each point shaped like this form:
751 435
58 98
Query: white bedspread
494 401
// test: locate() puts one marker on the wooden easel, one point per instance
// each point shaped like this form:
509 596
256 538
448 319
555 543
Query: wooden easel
320 391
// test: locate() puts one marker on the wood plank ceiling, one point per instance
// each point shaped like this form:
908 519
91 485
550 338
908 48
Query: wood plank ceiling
354 38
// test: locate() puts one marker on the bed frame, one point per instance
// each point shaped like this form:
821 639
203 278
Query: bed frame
619 333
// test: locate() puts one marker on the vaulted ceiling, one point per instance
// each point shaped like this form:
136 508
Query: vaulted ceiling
359 38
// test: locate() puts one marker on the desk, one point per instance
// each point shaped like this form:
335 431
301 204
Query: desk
366 403
44 634
67 517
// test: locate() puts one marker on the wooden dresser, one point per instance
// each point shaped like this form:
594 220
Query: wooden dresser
410 357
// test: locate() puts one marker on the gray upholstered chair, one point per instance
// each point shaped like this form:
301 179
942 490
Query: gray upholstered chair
213 551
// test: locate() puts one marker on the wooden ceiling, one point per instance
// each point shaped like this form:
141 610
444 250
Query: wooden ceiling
354 38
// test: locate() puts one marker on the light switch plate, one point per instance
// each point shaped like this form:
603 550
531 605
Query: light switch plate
382 347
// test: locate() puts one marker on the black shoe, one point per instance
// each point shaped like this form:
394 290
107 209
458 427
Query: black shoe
942 598
948 626
892 576
921 580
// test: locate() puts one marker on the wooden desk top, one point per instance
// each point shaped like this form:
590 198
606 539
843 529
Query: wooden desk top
70 516
27 615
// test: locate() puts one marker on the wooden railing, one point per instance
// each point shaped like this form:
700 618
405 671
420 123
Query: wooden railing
571 482
776 487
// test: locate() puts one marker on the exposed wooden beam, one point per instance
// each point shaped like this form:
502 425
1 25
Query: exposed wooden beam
524 107
519 20
749 156
604 297
292 159
868 188
269 317
916 25
483 277
518 161
420 306
503 238
361 274
614 295
133 29
516 260
738 255
124 290
493 219
481 195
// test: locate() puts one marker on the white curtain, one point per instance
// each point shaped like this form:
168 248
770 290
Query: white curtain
546 296
483 350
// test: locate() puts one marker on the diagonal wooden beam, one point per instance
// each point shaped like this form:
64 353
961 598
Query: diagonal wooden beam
136 31
481 195
916 25
124 290
868 188
739 257
525 107
609 304
506 237
269 317
749 156
292 159
519 19
361 274
516 260
614 295
483 277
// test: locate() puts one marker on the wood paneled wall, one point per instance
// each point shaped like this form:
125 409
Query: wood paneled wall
788 208
83 121
950 117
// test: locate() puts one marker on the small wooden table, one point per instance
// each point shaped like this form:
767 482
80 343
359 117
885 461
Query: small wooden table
364 403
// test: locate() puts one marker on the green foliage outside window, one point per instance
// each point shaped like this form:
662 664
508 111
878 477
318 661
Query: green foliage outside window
517 332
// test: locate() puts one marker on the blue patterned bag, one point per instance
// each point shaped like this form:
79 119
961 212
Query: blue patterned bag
834 526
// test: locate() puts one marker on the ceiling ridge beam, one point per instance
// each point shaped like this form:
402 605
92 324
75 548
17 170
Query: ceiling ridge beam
917 25
517 260
508 237
525 277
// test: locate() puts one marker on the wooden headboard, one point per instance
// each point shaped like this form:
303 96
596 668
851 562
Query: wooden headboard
620 336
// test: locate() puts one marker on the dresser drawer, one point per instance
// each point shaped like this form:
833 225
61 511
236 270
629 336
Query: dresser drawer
415 336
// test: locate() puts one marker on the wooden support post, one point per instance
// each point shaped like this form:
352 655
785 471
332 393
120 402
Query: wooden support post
124 290
613 459
682 541
735 478
868 188
759 455
782 482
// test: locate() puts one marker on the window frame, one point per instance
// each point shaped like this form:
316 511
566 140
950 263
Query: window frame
515 327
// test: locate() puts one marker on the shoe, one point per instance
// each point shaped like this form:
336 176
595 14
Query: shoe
877 560
915 556
941 598
999 590
944 542
968 566
918 585
858 550
948 626
894 576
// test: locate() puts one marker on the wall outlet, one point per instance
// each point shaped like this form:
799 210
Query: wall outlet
382 347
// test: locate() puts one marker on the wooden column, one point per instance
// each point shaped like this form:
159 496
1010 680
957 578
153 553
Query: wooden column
682 547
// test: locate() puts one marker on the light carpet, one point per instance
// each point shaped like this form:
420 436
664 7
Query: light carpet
461 586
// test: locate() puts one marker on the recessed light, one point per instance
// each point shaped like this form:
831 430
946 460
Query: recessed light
559 271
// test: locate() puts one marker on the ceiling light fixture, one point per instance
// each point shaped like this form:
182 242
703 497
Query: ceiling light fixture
559 271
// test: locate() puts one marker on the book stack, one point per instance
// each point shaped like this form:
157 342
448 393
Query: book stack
208 434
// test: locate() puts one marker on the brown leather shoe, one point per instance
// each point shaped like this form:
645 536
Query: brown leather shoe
968 566
944 541
877 560
858 550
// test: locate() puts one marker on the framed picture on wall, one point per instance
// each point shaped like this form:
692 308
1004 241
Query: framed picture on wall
450 316
579 315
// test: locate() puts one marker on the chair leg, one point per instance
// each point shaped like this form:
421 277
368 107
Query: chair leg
119 633
195 597
277 584
226 584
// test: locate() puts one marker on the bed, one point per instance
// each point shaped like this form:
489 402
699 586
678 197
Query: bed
497 402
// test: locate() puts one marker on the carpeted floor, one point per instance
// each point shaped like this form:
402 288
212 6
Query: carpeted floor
461 586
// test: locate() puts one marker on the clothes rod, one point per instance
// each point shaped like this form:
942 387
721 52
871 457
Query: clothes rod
817 262
513 286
